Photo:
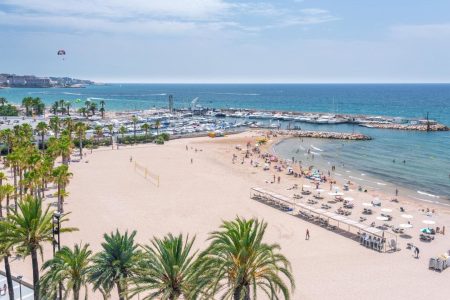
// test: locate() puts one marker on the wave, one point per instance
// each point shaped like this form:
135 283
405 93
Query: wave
357 178
315 148
119 100
380 183
68 93
315 153
427 194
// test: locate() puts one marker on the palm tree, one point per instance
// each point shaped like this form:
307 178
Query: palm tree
42 129
61 177
111 134
69 267
102 108
83 111
55 125
146 128
123 130
27 230
68 105
116 263
3 177
134 120
5 253
3 101
80 130
166 269
98 132
157 125
239 263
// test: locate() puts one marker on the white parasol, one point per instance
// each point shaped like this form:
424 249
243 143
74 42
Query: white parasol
405 226
428 222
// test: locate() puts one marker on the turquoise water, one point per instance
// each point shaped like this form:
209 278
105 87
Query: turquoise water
427 154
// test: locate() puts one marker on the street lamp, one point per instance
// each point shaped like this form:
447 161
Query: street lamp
20 285
57 240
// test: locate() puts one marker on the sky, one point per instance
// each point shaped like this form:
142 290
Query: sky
230 41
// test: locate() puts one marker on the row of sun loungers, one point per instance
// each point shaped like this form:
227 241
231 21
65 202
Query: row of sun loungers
367 211
343 212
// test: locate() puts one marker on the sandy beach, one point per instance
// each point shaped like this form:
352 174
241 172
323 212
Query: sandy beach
108 192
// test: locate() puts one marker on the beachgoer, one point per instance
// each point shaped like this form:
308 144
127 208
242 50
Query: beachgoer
131 158
443 230
416 251
307 234
187 148
396 192
192 160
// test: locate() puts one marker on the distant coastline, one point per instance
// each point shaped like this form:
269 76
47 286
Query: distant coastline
32 81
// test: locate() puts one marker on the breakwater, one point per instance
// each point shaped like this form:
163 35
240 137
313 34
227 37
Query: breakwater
418 127
324 135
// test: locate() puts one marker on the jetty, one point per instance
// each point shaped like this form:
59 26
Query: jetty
324 135
416 127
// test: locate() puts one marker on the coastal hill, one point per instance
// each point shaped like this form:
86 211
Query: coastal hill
31 81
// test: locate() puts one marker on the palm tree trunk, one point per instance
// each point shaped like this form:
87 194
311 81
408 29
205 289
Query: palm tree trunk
42 142
119 290
35 264
81 147
9 277
59 198
238 291
76 292
7 204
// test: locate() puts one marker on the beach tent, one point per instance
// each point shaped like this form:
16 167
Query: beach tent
425 230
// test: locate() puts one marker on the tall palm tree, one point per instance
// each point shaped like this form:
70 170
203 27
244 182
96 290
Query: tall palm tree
42 129
146 128
5 253
98 132
3 101
111 134
123 130
27 230
166 269
69 267
102 108
55 125
80 131
239 263
157 125
134 120
116 263
61 177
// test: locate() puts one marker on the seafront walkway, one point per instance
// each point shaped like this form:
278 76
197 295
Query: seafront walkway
27 292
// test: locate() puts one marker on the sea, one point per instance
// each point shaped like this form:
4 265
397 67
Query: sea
417 161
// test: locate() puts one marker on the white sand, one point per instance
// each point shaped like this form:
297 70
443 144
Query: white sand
107 193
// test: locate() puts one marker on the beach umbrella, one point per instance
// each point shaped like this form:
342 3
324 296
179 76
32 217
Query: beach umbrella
376 201
386 210
381 218
425 230
407 216
405 226
306 186
320 190
367 204
431 222
348 198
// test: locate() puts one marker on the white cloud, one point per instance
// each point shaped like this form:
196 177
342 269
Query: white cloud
156 16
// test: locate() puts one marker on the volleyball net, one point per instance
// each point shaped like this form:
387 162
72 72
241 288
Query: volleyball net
148 175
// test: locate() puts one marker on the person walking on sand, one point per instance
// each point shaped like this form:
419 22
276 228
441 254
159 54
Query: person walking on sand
307 234
279 178
416 251
192 160
131 158
396 192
